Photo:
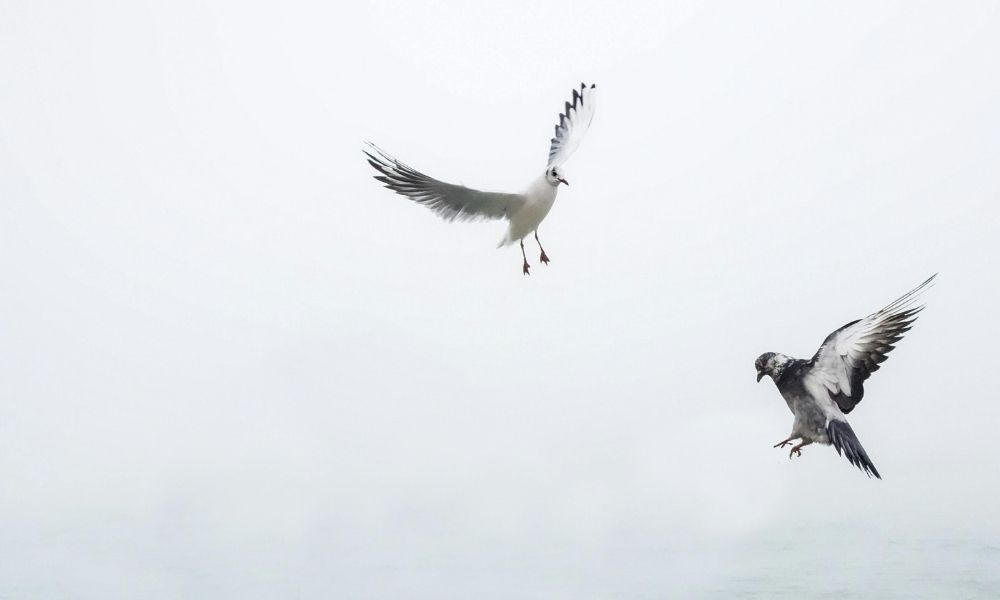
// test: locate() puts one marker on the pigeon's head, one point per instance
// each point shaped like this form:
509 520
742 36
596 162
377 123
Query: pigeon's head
771 364
555 176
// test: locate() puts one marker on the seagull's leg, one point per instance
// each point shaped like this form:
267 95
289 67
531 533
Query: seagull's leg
526 265
784 443
544 258
797 450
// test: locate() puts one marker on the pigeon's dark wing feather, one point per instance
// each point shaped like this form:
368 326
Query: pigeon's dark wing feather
845 442
573 124
451 202
852 353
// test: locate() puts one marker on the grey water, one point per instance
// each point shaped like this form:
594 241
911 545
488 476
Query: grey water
825 562
820 564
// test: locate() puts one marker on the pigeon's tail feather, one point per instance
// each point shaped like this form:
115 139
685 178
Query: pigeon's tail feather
843 439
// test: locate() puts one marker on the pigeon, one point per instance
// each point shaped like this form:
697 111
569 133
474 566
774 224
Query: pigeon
822 390
524 211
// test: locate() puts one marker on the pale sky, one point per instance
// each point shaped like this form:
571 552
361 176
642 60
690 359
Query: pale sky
233 366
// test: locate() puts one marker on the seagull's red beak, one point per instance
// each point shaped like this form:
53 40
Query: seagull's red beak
561 180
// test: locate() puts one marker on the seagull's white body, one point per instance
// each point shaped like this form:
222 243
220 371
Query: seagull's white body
524 211
538 201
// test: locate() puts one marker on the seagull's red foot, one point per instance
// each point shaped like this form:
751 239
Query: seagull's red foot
544 258
526 267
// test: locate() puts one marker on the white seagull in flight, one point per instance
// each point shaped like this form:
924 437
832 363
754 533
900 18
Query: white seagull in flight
524 211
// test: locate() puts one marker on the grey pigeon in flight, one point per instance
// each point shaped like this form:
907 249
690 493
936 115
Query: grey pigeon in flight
524 211
822 390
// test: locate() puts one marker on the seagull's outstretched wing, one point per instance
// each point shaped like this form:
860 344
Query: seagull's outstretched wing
852 353
451 202
573 124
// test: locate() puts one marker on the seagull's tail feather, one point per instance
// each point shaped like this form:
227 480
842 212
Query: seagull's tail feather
505 240
843 439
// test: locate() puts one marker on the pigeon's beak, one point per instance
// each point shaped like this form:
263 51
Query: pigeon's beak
561 180
760 375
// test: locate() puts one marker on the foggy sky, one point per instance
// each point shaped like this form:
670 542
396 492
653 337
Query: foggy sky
232 365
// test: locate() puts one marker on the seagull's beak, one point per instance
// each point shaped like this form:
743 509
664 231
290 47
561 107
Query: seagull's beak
561 180
760 375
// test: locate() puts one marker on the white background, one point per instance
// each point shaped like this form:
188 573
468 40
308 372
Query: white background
232 365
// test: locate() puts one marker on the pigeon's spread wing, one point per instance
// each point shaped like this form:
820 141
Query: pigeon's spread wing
838 430
573 124
852 353
846 442
451 202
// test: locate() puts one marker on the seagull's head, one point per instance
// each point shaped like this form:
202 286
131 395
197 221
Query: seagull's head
555 176
770 363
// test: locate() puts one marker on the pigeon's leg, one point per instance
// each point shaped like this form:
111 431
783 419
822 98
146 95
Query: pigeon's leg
526 265
797 450
784 443
544 258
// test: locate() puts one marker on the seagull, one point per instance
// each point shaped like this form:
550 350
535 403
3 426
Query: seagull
822 390
524 211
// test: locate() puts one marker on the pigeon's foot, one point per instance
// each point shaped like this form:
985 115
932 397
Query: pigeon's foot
782 444
797 450
526 267
544 258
